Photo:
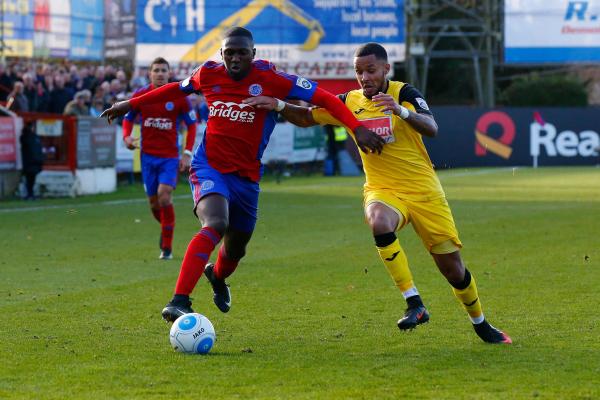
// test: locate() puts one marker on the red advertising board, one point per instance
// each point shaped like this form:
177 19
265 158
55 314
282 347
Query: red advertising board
8 144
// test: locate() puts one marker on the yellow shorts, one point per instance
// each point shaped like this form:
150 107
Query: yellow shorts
432 220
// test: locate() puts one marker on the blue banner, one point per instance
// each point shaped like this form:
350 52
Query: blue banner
17 28
284 30
87 29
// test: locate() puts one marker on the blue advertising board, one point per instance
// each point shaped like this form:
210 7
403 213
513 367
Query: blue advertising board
316 31
87 29
17 28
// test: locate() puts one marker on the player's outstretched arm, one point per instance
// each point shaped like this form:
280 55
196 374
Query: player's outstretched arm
168 92
297 115
366 140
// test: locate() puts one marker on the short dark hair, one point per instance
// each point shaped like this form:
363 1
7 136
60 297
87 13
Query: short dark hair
159 60
372 48
238 31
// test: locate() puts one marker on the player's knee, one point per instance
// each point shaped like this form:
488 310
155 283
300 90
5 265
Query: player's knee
380 223
235 252
219 224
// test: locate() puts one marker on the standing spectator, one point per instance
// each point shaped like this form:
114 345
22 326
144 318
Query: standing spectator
17 100
122 78
33 157
59 96
77 106
97 107
30 91
5 83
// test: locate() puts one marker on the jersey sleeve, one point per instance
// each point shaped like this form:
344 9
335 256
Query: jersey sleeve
323 117
410 94
191 84
295 87
187 113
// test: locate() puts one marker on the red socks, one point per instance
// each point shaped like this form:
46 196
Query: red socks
224 266
156 213
167 225
195 259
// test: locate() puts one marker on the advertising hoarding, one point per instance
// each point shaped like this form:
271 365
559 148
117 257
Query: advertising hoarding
515 136
87 29
315 38
541 31
17 28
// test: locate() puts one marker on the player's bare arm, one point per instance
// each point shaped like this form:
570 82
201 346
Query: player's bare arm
297 115
423 123
118 109
131 142
367 141
185 161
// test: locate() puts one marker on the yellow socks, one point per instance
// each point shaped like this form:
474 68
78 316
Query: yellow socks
395 261
466 293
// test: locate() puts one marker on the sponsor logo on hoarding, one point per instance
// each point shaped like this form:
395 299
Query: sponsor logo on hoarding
484 142
545 139
232 111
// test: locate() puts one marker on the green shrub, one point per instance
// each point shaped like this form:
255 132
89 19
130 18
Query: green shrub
545 91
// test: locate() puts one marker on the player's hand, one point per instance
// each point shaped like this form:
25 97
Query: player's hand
185 162
117 110
387 102
368 141
264 102
131 142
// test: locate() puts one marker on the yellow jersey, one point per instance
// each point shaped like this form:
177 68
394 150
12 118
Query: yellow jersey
404 165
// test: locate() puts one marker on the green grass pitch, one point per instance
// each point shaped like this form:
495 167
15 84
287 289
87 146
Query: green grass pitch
314 312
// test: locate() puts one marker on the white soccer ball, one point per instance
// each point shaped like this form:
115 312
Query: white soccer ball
192 333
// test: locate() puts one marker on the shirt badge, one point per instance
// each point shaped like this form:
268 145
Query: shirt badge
169 106
255 89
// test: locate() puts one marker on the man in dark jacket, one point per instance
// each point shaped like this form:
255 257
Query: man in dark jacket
33 157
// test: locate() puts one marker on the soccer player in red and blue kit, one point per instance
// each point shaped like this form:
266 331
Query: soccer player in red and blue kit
160 151
226 166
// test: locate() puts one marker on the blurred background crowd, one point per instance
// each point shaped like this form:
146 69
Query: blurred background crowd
71 89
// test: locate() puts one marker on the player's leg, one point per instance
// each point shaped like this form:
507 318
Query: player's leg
434 223
243 212
465 290
167 179
384 221
212 209
150 180
231 252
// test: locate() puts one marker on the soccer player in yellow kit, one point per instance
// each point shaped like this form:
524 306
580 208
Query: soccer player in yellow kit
401 186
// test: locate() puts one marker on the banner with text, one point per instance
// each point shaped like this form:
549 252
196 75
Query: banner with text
16 27
541 31
514 136
52 25
119 29
87 29
315 38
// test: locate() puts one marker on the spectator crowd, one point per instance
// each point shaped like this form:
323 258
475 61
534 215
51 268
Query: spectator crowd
70 89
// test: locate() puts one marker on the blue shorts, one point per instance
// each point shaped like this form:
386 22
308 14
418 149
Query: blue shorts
241 193
158 170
